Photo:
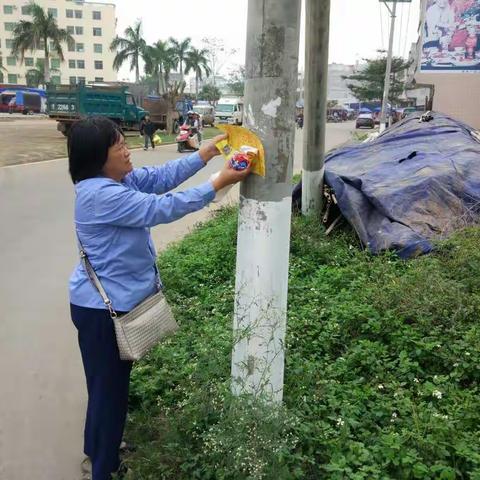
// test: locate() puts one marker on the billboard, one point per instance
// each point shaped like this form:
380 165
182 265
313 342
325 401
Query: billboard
451 36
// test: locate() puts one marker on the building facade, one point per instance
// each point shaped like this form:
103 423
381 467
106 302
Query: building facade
337 89
89 59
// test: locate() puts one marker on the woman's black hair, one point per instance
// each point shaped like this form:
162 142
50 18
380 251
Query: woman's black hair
88 143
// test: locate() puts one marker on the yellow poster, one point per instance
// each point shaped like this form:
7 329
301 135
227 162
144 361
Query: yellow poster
239 137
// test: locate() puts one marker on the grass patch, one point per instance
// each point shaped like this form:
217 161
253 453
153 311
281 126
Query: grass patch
136 141
381 377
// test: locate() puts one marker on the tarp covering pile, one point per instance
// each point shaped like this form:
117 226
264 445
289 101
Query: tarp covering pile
417 182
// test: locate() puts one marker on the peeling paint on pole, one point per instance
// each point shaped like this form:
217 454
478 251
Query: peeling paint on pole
265 203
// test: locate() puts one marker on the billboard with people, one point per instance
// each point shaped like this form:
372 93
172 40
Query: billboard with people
451 36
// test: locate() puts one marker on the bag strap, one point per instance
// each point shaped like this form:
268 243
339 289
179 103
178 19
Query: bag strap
95 280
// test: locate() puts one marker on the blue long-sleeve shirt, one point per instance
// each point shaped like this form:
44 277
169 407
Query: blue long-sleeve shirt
113 221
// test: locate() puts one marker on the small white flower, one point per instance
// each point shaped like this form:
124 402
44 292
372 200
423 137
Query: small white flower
437 394
394 415
380 387
456 364
340 422
416 380
467 354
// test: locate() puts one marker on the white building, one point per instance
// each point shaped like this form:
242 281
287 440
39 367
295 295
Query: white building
89 59
337 89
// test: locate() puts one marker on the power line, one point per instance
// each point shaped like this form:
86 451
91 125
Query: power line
408 24
400 30
381 22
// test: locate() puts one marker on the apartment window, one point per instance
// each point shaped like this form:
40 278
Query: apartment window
41 45
54 12
98 48
55 62
9 43
70 29
99 79
97 32
81 64
71 46
26 10
72 64
12 78
69 13
78 30
73 80
9 26
80 47
81 80
97 15
8 9
29 62
78 14
51 45
11 61
98 65
55 79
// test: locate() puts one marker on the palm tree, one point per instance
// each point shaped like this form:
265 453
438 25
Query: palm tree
36 76
197 61
2 69
131 47
159 61
36 34
180 50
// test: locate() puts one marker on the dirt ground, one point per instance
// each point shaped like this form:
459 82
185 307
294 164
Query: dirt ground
25 139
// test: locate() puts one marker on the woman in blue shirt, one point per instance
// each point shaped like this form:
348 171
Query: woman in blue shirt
115 207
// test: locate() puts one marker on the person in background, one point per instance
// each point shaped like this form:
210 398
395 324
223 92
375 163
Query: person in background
439 21
115 207
148 129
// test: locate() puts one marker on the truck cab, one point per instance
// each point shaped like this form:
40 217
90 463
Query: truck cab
229 110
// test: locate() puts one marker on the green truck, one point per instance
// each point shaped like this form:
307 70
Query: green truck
67 103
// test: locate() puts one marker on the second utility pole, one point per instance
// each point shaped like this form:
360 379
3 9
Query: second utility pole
386 89
317 14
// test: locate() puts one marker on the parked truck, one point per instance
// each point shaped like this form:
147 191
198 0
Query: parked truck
67 103
229 110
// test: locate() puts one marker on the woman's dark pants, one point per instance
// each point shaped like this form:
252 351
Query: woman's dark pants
107 378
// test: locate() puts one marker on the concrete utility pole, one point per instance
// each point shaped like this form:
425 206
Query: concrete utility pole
317 14
386 89
265 203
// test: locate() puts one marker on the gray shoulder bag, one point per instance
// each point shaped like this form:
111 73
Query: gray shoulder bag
143 327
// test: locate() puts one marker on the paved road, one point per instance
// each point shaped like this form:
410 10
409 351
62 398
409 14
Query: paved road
18 133
42 398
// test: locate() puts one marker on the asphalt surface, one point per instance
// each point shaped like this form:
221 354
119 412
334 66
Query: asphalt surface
43 393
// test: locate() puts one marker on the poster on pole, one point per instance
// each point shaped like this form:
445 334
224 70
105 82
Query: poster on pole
451 36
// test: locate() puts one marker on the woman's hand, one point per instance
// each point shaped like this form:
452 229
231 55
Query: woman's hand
208 150
229 176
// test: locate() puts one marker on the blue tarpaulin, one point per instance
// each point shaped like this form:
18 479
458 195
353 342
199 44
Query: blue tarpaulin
417 182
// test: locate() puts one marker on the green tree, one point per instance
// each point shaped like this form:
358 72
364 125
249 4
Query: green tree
180 51
196 60
332 103
236 82
131 47
36 76
368 84
159 62
37 34
211 93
